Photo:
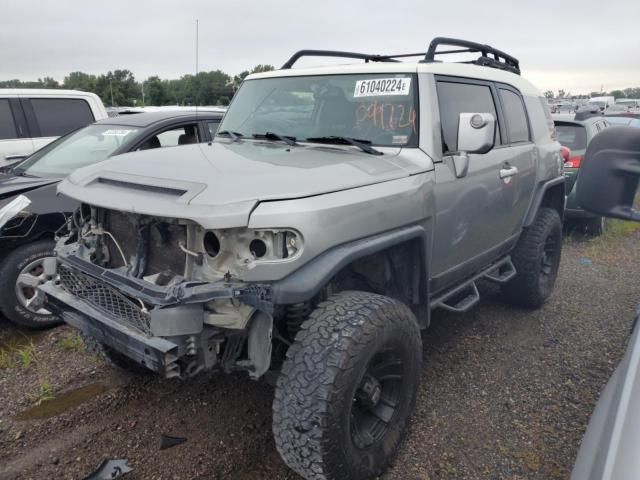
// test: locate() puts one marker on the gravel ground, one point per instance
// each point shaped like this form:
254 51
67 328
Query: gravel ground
505 393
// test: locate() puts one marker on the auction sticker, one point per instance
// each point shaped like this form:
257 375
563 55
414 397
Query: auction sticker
382 86
117 132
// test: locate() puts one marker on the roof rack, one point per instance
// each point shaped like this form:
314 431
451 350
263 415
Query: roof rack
499 59
333 53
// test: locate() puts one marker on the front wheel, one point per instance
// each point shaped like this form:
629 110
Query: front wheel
348 387
536 259
21 272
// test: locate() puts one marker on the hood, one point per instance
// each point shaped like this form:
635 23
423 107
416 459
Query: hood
218 185
40 191
12 185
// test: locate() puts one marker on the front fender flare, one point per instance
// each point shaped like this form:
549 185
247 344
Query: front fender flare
307 281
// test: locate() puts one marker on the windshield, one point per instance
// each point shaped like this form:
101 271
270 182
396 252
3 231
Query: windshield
572 136
380 109
88 145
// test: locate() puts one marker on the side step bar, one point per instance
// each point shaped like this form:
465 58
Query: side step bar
461 298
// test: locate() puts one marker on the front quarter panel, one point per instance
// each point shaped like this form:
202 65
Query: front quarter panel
325 221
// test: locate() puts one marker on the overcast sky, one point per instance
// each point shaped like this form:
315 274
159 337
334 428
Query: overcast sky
578 45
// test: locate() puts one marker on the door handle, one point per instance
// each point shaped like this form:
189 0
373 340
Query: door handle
508 172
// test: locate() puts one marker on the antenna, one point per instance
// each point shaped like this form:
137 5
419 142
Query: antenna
196 77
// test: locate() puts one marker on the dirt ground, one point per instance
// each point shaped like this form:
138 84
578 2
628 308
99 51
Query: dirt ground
506 393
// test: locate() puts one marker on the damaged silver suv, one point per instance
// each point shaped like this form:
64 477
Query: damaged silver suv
310 241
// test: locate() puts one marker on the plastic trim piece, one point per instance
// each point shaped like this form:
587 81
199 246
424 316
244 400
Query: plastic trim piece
306 282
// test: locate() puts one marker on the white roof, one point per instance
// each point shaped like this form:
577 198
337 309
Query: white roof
45 91
451 69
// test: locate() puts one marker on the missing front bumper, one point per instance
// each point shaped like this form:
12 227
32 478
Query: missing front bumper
154 353
159 327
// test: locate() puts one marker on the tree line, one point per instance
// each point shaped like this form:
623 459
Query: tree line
626 93
119 88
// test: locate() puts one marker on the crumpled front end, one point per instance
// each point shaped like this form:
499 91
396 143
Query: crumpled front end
142 286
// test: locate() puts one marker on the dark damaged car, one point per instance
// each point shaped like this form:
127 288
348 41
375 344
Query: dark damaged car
31 213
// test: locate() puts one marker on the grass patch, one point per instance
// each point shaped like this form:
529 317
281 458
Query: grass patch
7 359
620 228
26 354
72 343
44 393
602 248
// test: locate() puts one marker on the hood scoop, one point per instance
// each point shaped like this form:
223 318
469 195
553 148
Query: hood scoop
162 190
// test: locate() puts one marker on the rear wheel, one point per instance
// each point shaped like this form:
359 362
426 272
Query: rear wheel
21 272
594 226
348 387
536 259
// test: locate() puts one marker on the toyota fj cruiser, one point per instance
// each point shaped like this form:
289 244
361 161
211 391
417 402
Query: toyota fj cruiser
311 239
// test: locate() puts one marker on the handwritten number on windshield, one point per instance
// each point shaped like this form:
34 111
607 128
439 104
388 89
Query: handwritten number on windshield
387 116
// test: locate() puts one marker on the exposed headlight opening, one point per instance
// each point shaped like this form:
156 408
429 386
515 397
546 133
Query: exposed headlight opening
258 248
232 250
211 244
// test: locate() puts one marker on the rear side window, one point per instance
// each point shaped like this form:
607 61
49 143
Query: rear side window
456 98
59 116
572 136
515 116
7 124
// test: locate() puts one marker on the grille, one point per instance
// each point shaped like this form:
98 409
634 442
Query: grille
106 299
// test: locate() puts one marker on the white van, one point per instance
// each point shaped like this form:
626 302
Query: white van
629 103
603 102
31 118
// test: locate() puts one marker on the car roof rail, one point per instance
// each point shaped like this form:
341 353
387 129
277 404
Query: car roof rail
489 56
336 54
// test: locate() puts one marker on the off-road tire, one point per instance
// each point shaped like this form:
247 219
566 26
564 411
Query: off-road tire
111 356
10 268
531 286
325 367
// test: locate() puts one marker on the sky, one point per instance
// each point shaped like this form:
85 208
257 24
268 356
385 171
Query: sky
578 46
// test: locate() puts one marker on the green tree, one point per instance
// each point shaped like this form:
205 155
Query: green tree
223 100
561 93
548 94
80 81
48 82
237 79
118 88
617 94
156 91
632 92
262 68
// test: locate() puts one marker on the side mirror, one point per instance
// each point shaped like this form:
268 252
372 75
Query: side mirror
476 132
609 174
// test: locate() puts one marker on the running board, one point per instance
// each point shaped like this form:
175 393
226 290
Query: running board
463 297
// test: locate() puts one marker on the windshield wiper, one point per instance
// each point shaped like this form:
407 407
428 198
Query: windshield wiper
235 136
288 139
364 145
